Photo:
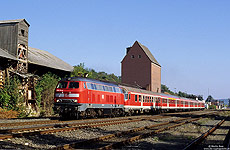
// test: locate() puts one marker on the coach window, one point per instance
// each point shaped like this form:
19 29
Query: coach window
165 100
135 98
73 85
106 88
114 90
92 87
129 96
139 98
88 85
84 86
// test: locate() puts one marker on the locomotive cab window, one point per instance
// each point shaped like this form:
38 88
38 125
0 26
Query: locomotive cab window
74 85
126 96
62 85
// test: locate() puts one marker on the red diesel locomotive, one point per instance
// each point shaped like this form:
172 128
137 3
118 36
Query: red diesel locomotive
77 96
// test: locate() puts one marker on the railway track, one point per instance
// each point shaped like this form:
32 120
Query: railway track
149 130
57 121
201 138
47 129
125 137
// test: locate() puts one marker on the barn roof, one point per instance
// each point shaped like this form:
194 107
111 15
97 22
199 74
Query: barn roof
44 58
5 54
14 21
149 54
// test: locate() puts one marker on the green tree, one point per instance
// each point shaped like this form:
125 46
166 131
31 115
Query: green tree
209 99
11 97
80 70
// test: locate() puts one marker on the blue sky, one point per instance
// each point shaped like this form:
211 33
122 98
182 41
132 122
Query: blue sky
190 39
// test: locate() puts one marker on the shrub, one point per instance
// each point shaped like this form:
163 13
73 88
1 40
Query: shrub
45 93
212 107
11 97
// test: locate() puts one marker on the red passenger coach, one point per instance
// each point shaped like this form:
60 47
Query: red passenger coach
140 101
78 96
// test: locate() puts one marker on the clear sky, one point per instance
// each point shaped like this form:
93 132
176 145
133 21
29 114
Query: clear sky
189 38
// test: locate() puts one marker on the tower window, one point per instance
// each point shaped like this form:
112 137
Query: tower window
139 56
23 32
132 56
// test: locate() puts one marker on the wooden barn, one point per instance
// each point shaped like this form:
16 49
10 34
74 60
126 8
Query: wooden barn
17 58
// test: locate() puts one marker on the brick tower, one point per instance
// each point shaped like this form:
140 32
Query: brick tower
140 68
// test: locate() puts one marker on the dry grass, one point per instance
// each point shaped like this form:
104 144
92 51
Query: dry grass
5 114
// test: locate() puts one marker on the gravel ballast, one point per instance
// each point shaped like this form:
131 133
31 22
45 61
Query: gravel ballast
176 138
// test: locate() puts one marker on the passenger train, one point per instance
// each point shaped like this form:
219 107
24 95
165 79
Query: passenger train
83 97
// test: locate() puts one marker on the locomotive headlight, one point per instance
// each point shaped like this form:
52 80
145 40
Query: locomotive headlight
58 100
75 100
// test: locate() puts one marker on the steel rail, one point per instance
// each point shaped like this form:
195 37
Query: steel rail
132 139
46 122
102 138
27 123
56 121
76 144
198 140
67 127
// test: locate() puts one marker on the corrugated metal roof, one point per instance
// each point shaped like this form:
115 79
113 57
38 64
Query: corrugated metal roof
6 55
14 21
44 58
149 54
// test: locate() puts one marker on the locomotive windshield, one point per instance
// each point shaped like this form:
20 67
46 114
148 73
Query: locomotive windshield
62 85
73 85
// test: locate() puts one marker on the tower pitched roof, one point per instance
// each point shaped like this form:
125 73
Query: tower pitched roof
148 53
14 21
